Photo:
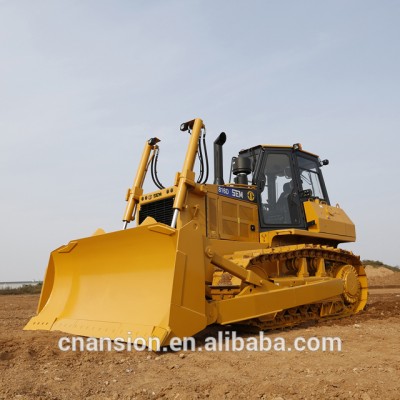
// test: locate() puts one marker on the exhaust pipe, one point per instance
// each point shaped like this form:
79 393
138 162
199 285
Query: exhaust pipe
218 159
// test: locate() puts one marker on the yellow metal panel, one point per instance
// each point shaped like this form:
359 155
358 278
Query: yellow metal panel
212 223
261 302
236 219
328 219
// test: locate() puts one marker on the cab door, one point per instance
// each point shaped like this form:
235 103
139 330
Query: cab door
280 205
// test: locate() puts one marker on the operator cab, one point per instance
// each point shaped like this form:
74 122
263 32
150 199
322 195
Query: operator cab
285 177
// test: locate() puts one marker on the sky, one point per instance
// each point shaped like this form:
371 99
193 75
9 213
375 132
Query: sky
83 85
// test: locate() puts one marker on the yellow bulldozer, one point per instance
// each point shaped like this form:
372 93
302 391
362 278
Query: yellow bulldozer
261 250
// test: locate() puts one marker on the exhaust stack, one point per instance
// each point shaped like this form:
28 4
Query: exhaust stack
218 159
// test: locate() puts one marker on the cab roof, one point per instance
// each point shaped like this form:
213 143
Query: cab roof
296 146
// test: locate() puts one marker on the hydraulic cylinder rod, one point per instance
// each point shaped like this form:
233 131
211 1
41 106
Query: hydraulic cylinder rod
186 177
133 194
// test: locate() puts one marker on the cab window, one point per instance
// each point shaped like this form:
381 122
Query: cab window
276 198
309 176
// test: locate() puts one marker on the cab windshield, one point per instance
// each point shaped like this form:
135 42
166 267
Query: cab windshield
309 176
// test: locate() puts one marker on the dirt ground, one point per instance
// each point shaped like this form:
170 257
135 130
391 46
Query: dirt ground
368 367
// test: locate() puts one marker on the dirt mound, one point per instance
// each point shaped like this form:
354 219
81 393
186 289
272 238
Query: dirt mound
373 272
381 276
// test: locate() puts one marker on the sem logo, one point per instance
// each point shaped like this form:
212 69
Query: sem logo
237 193
247 195
250 196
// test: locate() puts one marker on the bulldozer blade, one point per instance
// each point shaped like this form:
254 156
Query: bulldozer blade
133 284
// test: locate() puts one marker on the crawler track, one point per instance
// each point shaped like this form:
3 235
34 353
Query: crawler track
278 265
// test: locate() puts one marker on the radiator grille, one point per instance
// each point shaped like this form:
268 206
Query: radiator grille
160 210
